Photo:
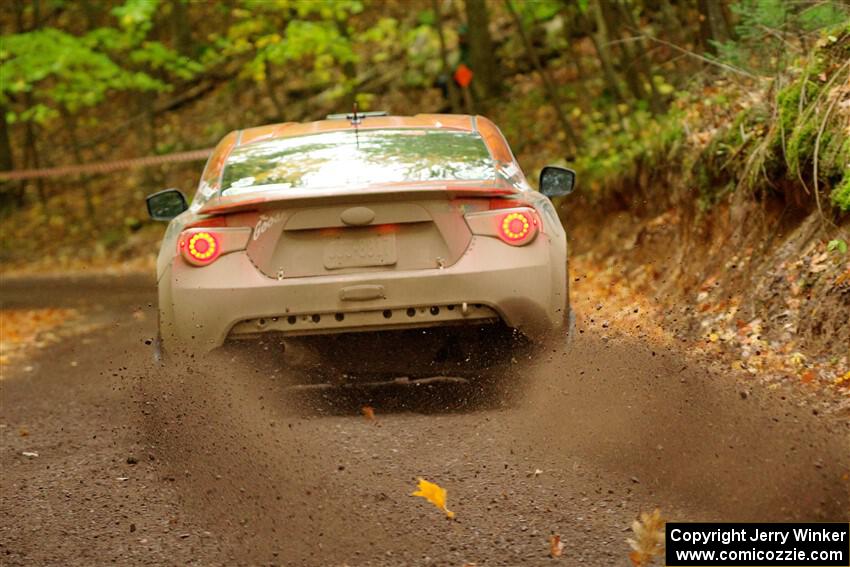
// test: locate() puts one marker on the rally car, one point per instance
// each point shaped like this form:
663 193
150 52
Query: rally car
363 227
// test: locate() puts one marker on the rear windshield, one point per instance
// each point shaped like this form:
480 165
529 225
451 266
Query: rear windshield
336 159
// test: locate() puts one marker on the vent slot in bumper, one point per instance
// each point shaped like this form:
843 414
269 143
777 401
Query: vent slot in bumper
373 320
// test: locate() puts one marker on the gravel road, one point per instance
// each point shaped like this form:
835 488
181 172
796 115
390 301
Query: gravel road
220 462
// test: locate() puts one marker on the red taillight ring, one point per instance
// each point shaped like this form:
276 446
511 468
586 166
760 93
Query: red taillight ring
515 226
200 248
518 228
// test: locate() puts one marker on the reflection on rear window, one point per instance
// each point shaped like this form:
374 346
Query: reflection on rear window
336 159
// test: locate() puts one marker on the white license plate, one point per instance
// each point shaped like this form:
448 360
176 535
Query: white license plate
360 251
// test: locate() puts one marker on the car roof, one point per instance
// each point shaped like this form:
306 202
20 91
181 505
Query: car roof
457 122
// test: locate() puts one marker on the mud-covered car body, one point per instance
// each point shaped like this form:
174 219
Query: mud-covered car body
376 224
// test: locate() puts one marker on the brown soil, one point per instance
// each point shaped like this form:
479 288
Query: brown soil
762 285
217 462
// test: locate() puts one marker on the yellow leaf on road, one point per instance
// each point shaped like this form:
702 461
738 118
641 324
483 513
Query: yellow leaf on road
434 494
556 546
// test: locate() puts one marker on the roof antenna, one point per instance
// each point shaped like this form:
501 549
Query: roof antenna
356 119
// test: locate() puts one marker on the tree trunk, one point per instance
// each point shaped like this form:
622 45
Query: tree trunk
11 192
349 69
611 81
6 160
71 128
486 81
451 87
717 19
272 91
92 13
600 45
147 138
675 29
30 144
608 21
548 84
712 24
642 61
584 97
181 28
33 160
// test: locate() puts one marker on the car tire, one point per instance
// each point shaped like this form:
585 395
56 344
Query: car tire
159 354
571 327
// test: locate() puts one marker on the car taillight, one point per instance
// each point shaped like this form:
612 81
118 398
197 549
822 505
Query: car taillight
200 248
518 228
515 226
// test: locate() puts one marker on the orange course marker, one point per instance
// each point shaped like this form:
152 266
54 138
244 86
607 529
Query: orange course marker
463 75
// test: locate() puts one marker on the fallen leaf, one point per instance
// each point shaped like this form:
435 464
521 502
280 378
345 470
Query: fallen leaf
798 359
807 377
648 541
368 412
434 494
556 546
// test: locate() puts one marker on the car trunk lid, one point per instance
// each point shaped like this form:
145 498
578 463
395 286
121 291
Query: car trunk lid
333 238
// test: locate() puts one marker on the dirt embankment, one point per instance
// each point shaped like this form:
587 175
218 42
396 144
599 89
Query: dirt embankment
760 287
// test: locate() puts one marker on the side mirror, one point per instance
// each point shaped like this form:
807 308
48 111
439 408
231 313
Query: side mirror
557 181
165 205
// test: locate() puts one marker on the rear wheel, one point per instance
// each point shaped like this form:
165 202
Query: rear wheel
469 352
159 356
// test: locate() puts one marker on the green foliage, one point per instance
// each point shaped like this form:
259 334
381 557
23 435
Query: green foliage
280 33
48 70
837 245
538 11
613 151
61 70
840 195
809 132
765 27
136 15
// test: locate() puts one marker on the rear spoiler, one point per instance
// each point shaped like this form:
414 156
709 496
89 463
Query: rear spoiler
268 195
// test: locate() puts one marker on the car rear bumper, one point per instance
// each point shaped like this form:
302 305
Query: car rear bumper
525 287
